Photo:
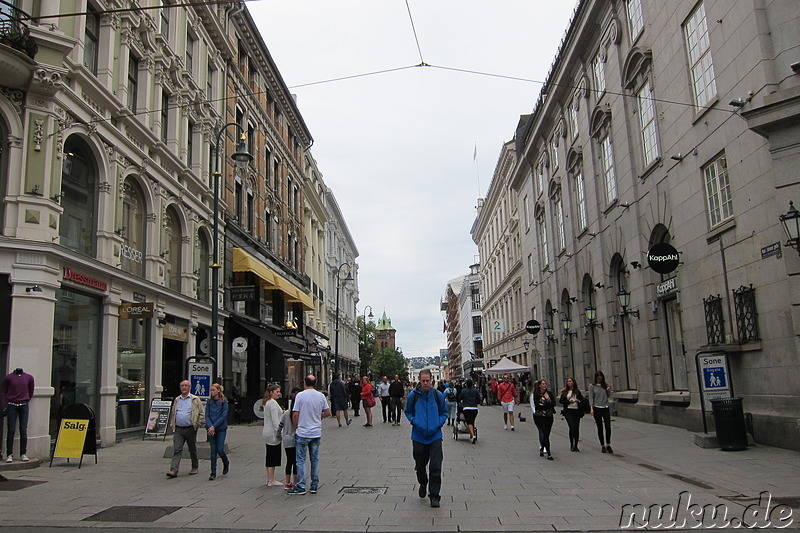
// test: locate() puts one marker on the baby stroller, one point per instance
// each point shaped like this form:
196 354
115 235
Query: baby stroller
460 425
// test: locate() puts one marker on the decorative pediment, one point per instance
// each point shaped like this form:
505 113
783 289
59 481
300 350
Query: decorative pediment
601 117
636 65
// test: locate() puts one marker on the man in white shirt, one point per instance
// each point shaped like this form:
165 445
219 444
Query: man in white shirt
310 407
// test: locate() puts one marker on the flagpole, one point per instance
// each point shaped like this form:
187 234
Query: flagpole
477 170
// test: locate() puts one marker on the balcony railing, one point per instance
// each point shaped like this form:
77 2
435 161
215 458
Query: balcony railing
14 32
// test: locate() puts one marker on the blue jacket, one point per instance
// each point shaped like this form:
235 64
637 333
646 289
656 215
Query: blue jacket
427 413
217 414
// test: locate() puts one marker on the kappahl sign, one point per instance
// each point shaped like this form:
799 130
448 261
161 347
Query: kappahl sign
663 258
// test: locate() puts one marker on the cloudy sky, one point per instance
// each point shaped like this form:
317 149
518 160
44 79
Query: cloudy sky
397 142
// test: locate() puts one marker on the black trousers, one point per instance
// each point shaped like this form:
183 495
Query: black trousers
544 424
425 455
602 417
397 409
573 417
355 402
386 409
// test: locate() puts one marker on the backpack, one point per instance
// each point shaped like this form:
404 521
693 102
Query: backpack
451 394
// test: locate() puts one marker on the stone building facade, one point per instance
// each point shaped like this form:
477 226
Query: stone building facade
660 129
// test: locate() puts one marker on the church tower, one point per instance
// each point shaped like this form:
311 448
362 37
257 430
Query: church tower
384 333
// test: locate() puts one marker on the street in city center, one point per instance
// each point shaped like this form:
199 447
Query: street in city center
368 483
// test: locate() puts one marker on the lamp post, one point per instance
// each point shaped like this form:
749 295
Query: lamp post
336 343
566 324
791 223
364 362
241 157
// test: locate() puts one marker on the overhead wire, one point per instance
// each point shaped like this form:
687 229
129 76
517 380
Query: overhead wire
416 37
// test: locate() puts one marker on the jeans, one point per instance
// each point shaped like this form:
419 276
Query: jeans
217 444
573 417
425 454
544 424
602 416
189 436
307 447
451 409
17 412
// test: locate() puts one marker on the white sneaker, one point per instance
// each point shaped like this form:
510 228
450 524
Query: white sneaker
10 458
24 458
505 428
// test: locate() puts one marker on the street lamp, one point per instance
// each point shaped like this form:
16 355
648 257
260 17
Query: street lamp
791 223
365 362
338 286
241 157
624 301
566 324
591 318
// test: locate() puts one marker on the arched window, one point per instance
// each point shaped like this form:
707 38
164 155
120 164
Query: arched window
172 251
78 226
133 229
201 264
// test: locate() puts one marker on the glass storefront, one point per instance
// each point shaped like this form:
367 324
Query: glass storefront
76 350
131 373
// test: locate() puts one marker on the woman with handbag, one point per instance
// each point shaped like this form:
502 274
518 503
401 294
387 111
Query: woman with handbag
571 398
367 399
272 431
599 391
543 407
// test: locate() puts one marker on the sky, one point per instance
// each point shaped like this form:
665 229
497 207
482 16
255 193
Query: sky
408 152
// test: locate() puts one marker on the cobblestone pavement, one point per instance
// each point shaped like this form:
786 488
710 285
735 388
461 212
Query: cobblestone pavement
368 483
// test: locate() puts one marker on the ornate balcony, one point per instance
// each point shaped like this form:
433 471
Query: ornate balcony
17 47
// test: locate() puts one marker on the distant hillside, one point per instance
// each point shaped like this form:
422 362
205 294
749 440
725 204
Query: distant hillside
420 362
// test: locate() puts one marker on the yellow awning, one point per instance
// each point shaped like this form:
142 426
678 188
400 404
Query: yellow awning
244 262
305 299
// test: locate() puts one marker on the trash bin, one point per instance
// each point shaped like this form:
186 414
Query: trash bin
729 421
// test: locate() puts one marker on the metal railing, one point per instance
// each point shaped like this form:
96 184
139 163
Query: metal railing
14 32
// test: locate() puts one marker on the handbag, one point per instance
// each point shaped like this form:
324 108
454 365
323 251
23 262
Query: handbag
369 401
585 407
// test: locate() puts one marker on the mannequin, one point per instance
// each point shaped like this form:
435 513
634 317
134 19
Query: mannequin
16 392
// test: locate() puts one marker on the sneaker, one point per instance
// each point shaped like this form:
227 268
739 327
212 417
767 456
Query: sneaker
349 421
212 477
340 424
423 491
296 491
505 428
313 489
172 474
549 457
288 486
24 458
512 428
10 458
474 440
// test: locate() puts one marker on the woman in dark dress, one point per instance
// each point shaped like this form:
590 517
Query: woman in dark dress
543 406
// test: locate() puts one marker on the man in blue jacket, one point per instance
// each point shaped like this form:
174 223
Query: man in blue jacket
427 412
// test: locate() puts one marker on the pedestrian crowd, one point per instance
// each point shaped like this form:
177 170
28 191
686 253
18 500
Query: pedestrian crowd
297 430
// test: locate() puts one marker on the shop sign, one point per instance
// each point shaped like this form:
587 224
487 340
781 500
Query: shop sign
83 279
286 333
244 293
71 437
533 327
663 258
665 287
158 418
176 333
137 310
130 253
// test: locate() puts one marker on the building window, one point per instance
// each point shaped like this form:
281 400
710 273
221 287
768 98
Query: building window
133 229
530 268
172 252
164 116
573 119
251 138
190 144
609 175
704 86
715 322
133 82
647 118
251 215
544 254
296 200
744 301
268 228
580 197
79 181
525 216
599 70
165 15
476 324
560 230
540 179
210 80
190 44
635 18
718 191
289 187
91 39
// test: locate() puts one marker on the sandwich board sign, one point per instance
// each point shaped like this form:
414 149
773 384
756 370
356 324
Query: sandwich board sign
71 439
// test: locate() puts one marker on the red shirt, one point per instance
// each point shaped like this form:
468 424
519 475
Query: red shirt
16 389
506 391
